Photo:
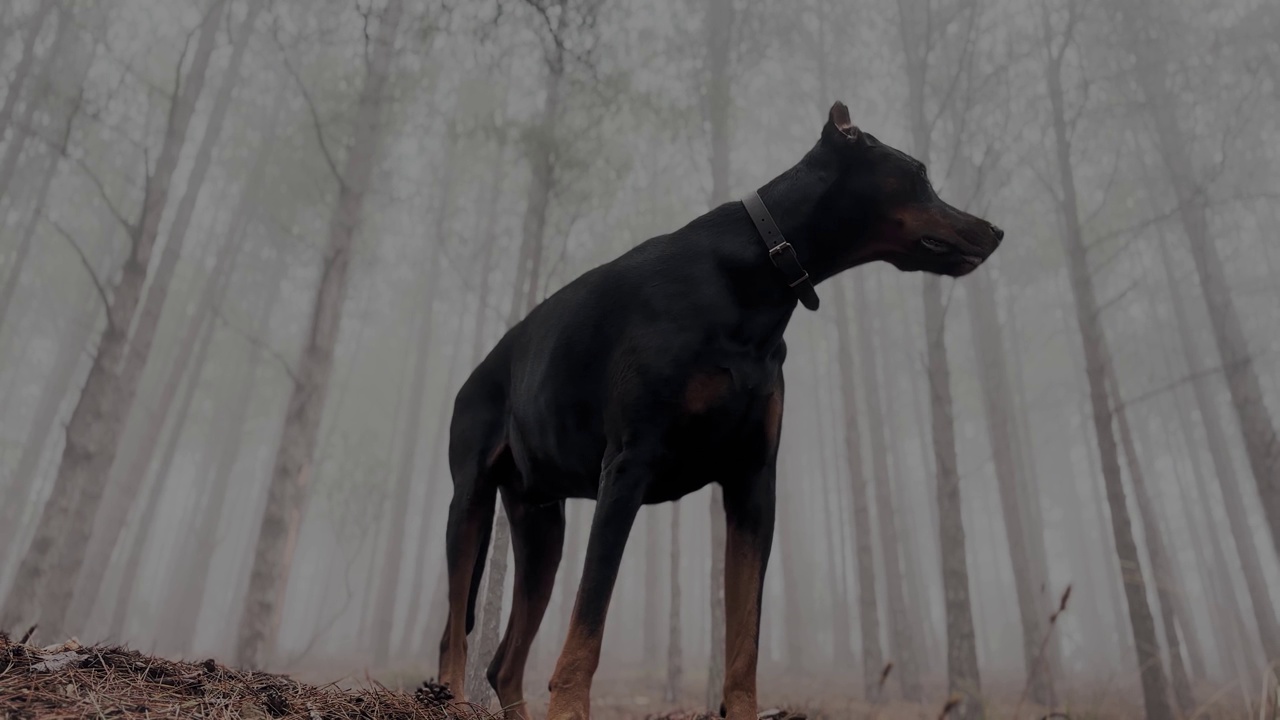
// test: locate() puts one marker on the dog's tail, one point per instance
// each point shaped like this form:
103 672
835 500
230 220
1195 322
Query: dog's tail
480 461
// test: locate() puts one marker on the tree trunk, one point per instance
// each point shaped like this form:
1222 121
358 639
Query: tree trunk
23 250
718 25
675 653
542 167
1231 637
1150 667
868 613
652 586
286 493
187 595
18 132
524 296
905 640
24 485
997 396
1233 500
1258 427
1168 593
1031 484
393 550
146 518
962 654
110 519
22 476
833 529
488 239
49 569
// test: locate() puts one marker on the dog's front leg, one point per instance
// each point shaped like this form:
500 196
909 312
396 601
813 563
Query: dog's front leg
623 481
749 516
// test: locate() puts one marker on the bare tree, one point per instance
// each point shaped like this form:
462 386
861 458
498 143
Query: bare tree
49 569
997 398
868 613
393 550
962 656
1190 187
1150 666
1224 469
292 469
110 516
899 610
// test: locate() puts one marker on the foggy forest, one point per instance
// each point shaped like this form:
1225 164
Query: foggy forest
251 249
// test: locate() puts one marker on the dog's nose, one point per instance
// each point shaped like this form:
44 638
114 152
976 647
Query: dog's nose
998 233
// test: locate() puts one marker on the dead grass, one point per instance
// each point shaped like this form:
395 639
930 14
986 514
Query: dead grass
71 681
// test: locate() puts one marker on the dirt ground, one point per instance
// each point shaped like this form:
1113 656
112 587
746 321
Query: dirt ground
70 681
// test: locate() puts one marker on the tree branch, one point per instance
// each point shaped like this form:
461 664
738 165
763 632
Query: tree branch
257 343
106 199
315 115
88 268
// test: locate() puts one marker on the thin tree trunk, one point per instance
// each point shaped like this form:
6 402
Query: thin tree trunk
1031 482
393 551
18 132
842 632
488 239
997 399
188 594
146 518
287 491
718 25
524 296
675 653
1233 500
49 569
1150 667
23 250
1177 587
542 166
793 591
1231 637
868 613
905 641
962 654
1256 423
110 519
32 451
1168 593
652 586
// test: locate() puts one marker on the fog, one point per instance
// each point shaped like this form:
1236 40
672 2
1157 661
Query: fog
251 250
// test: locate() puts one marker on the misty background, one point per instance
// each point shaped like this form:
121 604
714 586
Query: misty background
250 250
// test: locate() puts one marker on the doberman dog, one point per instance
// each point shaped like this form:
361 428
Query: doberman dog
655 374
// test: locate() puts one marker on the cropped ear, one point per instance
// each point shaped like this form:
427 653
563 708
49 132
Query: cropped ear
840 126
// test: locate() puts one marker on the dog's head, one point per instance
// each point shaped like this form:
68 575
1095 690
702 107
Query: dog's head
883 207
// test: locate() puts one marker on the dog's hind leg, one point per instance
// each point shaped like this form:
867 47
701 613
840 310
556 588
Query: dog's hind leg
466 544
537 537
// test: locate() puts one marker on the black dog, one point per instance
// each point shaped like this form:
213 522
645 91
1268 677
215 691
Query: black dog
658 373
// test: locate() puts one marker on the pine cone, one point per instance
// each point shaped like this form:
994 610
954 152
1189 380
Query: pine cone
433 694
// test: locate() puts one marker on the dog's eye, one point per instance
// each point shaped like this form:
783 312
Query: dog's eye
932 244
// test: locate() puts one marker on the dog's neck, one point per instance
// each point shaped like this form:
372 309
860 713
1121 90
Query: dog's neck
794 200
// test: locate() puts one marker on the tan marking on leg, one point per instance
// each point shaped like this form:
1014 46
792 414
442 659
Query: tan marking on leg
571 682
532 592
742 583
453 648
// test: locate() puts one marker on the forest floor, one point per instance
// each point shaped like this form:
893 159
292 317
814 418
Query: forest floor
66 681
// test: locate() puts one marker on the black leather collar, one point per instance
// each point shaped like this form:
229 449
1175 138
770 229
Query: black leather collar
781 252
